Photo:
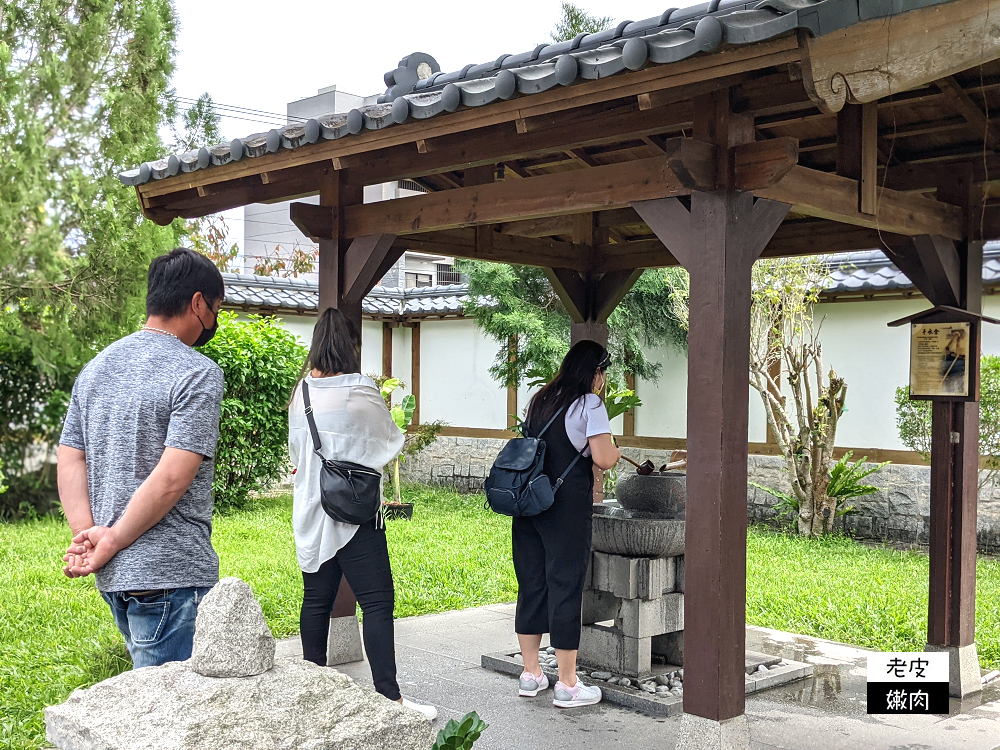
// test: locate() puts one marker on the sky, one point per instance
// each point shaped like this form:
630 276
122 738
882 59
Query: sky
260 55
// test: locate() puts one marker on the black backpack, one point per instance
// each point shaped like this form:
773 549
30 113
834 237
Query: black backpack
517 485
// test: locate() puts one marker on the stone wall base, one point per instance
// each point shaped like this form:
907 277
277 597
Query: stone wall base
964 676
898 512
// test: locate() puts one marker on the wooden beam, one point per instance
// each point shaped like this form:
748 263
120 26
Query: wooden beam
761 164
503 248
315 222
571 287
688 165
828 196
985 130
874 59
628 418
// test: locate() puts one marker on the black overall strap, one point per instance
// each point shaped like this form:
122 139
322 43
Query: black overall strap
317 444
549 423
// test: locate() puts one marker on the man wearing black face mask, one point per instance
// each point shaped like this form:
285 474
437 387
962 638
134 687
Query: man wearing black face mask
136 460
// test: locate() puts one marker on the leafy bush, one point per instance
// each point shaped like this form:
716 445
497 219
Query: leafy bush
33 401
460 736
261 362
913 419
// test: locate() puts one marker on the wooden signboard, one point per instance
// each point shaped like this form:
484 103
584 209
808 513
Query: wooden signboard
944 353
939 355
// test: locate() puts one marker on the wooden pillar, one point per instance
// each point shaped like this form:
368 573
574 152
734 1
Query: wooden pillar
387 349
717 241
950 273
511 390
415 370
857 150
628 418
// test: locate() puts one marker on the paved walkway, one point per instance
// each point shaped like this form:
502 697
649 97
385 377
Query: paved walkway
439 662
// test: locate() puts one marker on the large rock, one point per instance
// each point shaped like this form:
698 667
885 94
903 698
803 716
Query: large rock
231 638
295 705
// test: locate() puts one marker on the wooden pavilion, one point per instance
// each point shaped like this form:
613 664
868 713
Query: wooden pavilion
708 137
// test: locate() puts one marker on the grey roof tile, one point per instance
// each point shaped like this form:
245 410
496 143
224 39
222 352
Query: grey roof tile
417 89
872 271
302 295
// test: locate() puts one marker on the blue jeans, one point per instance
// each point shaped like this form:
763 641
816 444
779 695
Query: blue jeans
158 625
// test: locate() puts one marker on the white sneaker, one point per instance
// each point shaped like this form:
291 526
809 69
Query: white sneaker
579 695
429 711
529 685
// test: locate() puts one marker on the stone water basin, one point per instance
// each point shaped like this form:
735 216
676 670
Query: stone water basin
619 531
664 495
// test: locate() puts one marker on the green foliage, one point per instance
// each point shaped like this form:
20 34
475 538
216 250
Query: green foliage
84 90
619 401
575 20
402 413
845 480
32 400
913 419
460 736
261 362
517 307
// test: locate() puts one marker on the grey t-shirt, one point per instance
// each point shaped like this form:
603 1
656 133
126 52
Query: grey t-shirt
146 392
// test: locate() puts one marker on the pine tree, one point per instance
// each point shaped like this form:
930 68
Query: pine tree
84 91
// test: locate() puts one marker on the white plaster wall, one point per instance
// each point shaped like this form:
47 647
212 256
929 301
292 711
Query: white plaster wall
664 403
991 332
874 360
455 384
402 365
371 347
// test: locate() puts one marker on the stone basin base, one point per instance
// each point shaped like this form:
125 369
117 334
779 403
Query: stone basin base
621 532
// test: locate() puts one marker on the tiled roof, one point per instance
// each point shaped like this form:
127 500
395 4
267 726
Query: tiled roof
871 272
302 297
418 90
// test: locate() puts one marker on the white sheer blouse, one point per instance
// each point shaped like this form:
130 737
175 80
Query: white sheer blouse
354 425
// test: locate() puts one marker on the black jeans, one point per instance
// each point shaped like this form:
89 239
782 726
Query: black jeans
364 561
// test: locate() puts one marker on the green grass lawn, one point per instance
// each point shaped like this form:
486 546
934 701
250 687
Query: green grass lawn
56 634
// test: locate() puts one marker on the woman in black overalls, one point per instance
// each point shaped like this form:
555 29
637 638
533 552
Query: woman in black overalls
552 550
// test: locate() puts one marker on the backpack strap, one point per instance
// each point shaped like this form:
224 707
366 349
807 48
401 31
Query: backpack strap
549 423
317 444
559 481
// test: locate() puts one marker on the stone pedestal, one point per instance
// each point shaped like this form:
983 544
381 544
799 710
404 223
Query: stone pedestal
641 595
698 733
343 644
964 677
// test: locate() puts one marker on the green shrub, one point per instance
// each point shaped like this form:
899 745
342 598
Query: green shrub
33 400
460 736
913 418
261 362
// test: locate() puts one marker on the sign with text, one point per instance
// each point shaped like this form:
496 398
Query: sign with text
938 357
908 683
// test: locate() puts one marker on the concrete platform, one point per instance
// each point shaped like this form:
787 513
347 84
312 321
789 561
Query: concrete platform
439 662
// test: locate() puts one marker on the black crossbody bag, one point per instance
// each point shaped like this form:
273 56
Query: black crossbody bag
349 492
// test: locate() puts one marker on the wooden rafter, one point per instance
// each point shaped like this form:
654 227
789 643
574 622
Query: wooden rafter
975 117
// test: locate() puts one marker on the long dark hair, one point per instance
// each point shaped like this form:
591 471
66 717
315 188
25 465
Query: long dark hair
336 344
575 379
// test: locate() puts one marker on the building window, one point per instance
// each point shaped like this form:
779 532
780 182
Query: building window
447 274
411 185
414 279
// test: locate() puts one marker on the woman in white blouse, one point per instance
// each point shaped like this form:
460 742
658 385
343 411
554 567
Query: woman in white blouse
354 425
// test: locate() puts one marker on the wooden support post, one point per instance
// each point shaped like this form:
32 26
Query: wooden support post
628 418
386 349
857 151
511 390
951 605
415 370
717 240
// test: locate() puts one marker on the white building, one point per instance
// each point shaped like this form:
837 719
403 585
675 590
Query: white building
422 336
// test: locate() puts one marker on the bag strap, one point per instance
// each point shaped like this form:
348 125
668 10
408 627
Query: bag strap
317 444
549 423
559 481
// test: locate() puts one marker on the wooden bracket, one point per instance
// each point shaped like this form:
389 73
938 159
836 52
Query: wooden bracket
367 260
315 222
932 264
589 298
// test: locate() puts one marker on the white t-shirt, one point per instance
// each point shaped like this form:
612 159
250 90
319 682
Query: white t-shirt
585 418
354 425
